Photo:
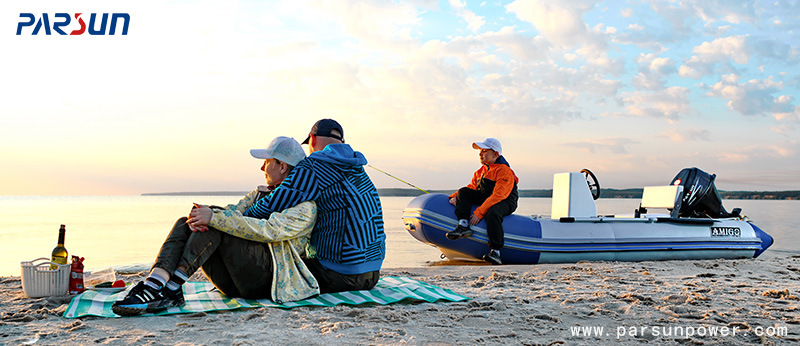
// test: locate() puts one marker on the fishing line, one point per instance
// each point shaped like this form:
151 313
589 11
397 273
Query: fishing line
401 180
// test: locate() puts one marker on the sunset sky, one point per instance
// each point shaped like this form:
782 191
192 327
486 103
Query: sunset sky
633 90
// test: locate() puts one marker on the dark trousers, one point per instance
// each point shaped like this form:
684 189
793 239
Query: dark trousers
331 281
236 266
466 198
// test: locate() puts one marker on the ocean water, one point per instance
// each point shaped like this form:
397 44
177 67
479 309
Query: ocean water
116 231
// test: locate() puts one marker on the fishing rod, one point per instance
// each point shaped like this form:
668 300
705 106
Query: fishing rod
401 180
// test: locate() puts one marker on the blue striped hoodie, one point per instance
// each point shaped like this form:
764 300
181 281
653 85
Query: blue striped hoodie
348 235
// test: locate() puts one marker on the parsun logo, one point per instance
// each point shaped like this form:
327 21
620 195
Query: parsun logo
97 26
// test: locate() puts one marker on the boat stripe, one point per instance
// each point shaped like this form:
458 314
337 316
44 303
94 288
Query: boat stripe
587 244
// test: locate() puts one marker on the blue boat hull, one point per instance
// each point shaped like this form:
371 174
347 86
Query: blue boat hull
530 240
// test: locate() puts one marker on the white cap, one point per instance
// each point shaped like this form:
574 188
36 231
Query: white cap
489 143
285 149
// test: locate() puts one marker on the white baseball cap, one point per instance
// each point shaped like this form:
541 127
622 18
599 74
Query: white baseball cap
285 149
489 143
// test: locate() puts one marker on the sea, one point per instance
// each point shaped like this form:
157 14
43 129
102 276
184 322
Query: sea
126 232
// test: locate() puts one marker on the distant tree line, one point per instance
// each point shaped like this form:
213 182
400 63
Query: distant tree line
795 195
604 193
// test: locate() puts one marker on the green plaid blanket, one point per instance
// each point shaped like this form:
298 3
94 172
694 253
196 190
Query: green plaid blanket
200 296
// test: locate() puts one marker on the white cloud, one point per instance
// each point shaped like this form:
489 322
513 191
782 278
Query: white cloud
717 31
792 115
626 12
753 97
686 134
756 153
520 46
720 51
474 22
635 27
652 71
680 16
783 150
733 157
728 11
732 47
614 145
738 49
668 103
526 88
371 21
561 23
773 49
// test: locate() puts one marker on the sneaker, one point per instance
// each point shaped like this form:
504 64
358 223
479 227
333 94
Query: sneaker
459 232
493 257
175 298
141 299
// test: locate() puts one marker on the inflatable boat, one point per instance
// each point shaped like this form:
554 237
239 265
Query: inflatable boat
694 226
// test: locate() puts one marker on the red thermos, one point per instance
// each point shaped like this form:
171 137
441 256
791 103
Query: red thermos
76 276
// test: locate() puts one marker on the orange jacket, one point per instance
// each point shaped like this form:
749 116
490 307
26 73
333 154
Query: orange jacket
504 182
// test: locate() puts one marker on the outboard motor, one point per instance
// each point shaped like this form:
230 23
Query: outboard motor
700 197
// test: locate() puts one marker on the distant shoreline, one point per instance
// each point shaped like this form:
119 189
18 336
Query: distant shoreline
543 193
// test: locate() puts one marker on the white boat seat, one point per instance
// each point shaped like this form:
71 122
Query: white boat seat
661 197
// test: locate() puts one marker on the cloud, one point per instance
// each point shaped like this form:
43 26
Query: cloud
474 22
518 45
739 49
636 27
732 47
753 97
686 134
790 116
652 71
728 11
374 22
668 103
773 49
680 15
716 31
562 25
783 150
517 82
784 129
720 51
614 145
626 12
559 22
733 157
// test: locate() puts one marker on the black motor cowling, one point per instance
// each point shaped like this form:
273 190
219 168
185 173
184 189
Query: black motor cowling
700 196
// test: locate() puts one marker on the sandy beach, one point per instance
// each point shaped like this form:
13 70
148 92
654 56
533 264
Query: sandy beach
670 302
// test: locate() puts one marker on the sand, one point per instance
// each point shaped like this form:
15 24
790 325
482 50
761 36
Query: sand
750 301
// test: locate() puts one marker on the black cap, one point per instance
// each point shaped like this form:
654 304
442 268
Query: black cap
323 128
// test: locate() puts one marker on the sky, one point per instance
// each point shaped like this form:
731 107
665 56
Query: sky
633 90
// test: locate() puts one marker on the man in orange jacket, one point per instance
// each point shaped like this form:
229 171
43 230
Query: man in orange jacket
494 189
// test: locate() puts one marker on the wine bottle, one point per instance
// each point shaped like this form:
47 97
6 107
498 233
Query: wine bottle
59 252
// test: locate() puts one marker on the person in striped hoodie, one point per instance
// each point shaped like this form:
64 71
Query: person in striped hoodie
348 243
242 256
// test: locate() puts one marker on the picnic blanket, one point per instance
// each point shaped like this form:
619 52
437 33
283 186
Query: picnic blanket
201 296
